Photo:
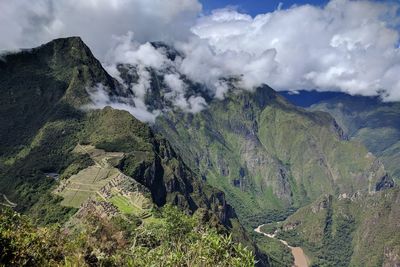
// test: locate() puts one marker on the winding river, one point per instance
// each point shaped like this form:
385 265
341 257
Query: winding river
300 259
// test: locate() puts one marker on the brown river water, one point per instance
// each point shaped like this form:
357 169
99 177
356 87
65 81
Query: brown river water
300 258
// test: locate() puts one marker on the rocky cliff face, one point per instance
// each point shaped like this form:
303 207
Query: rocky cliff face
370 121
267 154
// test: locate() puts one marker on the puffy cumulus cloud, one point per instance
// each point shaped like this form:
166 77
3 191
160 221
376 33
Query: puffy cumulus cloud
196 104
127 50
25 23
350 46
207 64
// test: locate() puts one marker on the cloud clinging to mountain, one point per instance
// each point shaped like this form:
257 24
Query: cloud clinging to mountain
25 23
349 46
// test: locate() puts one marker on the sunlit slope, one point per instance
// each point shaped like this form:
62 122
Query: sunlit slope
370 121
267 154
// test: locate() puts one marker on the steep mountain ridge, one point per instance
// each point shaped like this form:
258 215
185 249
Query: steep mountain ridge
44 90
266 154
370 121
366 119
39 84
269 156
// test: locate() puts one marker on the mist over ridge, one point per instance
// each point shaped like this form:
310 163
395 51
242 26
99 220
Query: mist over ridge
345 46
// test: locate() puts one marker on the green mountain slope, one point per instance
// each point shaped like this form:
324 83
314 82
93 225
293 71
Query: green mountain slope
266 154
370 121
41 91
40 84
57 159
357 230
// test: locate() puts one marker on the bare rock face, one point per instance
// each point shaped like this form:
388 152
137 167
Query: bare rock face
385 183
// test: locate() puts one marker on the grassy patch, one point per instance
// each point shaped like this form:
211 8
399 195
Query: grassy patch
124 205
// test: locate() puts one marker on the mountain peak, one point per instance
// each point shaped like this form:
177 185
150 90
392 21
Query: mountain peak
65 43
66 52
71 49
46 82
170 51
67 40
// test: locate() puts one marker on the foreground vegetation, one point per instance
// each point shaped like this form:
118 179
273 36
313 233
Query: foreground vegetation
171 239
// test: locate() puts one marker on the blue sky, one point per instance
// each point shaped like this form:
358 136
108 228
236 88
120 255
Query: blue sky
254 7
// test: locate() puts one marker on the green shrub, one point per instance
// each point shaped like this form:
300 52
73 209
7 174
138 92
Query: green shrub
173 239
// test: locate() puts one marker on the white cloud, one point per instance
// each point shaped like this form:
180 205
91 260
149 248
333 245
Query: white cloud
25 23
174 82
127 50
350 46
138 109
197 104
144 61
178 88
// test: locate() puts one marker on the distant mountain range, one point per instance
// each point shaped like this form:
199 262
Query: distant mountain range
305 99
366 119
